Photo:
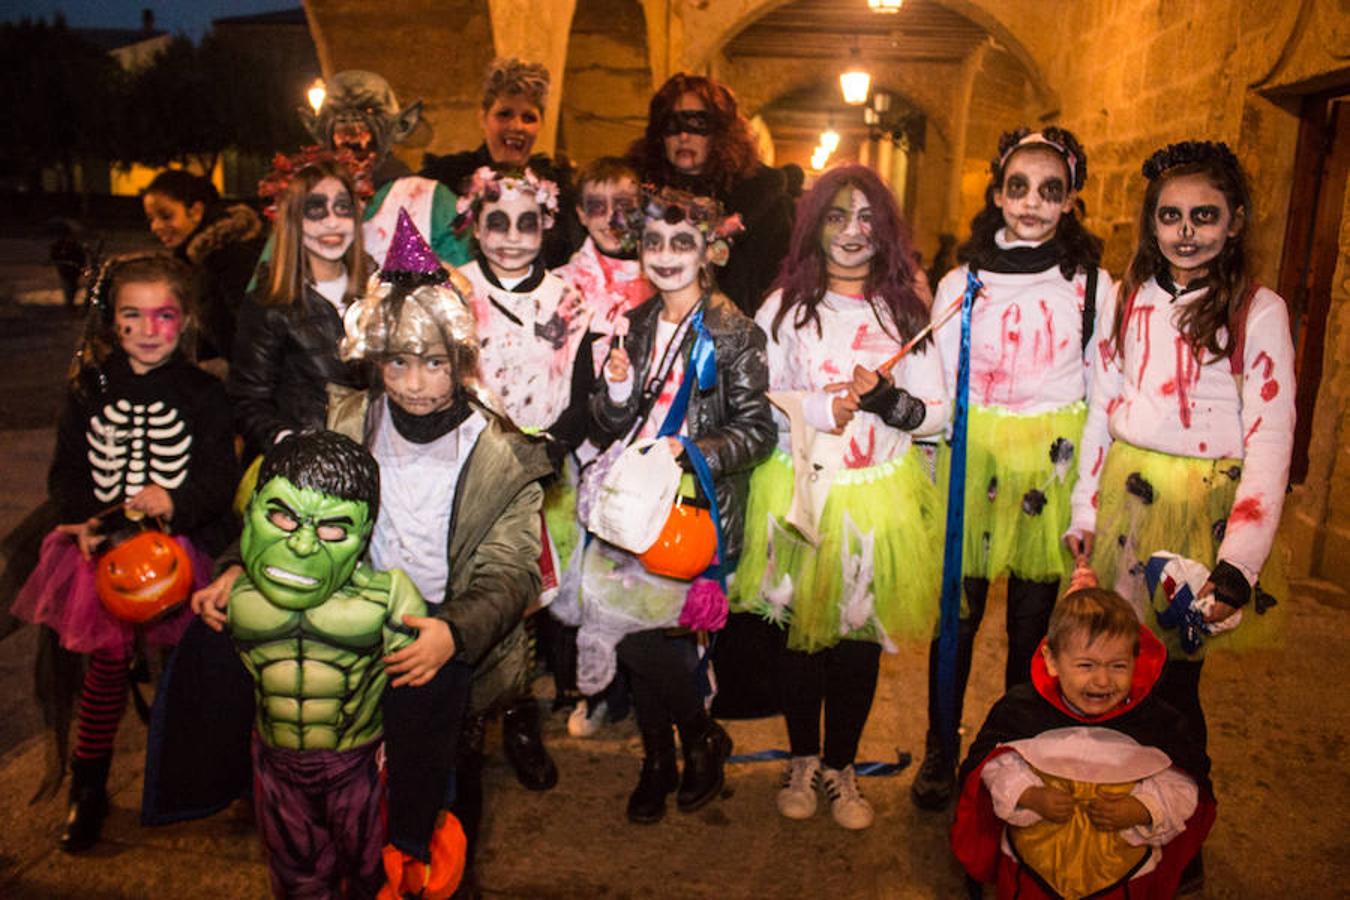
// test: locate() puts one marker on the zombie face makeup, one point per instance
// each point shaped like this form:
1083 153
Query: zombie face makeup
1035 194
329 223
510 231
420 384
149 320
688 135
510 127
1192 223
170 220
846 233
600 203
672 255
300 545
1094 677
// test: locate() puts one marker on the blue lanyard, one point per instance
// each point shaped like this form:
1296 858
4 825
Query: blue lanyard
956 521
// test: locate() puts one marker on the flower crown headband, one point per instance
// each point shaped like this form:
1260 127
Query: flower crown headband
674 206
489 185
286 168
1186 153
1057 139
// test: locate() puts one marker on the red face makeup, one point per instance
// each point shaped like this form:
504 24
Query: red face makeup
149 321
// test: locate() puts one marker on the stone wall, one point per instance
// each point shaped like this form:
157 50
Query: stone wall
608 78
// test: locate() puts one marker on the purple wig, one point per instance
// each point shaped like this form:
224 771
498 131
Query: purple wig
891 278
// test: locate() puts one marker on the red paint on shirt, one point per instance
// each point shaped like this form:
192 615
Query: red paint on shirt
1097 464
1142 317
1251 431
1269 364
1188 375
1269 390
856 458
1203 446
1246 510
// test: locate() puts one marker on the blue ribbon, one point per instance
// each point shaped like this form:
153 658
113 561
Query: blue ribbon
702 366
956 527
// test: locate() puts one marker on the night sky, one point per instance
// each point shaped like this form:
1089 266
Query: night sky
190 16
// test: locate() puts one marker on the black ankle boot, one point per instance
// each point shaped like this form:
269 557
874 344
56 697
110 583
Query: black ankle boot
523 743
935 782
88 803
660 776
706 747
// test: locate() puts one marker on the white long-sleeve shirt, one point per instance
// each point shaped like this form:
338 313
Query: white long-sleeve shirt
1158 395
1026 338
851 334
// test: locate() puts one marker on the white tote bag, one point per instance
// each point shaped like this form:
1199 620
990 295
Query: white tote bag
635 496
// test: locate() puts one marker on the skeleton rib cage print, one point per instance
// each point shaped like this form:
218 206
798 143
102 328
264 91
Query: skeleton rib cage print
132 444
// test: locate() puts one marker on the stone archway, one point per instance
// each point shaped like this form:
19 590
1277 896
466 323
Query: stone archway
608 78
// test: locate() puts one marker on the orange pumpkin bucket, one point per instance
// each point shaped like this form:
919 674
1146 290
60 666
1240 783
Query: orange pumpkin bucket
143 577
686 546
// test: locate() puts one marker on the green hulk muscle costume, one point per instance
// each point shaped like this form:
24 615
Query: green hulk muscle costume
312 623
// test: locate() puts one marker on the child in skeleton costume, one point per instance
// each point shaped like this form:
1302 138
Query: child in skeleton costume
862 571
1191 422
459 483
289 327
1029 329
146 432
690 374
1084 783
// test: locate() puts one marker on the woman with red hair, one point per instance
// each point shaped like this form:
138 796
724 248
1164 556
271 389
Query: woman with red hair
698 141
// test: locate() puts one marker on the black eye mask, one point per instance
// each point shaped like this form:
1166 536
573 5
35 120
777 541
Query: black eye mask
316 207
689 121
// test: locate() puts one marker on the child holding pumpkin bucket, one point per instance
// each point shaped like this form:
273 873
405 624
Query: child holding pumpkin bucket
147 433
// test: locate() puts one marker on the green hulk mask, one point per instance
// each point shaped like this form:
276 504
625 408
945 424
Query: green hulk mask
300 545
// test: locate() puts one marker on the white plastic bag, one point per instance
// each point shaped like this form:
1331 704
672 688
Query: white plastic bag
633 499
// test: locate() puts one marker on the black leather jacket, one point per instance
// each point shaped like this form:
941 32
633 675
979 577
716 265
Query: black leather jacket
731 423
283 358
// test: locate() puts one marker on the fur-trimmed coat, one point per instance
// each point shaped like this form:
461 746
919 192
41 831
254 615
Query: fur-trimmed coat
222 252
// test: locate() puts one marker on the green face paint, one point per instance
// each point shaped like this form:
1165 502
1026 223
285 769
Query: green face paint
299 545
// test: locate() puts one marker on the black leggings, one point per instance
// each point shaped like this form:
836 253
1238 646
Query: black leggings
661 672
1028 616
843 679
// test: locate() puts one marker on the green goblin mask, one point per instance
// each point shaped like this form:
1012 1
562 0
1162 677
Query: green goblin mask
300 545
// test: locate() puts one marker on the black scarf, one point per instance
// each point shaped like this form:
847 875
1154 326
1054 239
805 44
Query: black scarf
1023 260
532 281
427 428
1164 279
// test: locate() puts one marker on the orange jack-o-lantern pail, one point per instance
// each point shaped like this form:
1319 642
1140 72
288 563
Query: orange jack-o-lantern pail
687 544
143 577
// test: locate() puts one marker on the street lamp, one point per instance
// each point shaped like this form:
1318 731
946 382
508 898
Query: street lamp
885 6
855 81
316 94
829 140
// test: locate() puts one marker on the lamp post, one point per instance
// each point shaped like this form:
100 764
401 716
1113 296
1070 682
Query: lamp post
855 81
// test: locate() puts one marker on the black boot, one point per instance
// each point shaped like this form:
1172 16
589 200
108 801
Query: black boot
88 803
706 747
523 743
660 776
935 782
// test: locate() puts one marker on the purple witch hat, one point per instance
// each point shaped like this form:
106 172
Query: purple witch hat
410 258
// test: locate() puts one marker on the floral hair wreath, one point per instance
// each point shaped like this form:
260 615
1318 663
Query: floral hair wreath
1187 153
286 168
489 184
674 206
1059 140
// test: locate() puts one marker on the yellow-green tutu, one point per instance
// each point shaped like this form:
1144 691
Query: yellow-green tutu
1020 472
875 575
1150 502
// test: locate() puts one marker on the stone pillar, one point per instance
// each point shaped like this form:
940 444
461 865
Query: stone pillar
537 31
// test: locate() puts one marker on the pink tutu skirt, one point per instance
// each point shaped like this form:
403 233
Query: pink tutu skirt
60 594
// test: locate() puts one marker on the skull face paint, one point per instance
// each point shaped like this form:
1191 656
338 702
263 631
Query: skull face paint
846 233
329 224
149 320
300 545
672 255
601 201
1192 223
1035 194
510 231
420 384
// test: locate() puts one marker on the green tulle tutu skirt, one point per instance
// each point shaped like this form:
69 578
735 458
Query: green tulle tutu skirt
1150 502
875 575
1020 472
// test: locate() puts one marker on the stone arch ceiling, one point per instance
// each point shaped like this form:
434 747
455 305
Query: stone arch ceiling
1026 28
